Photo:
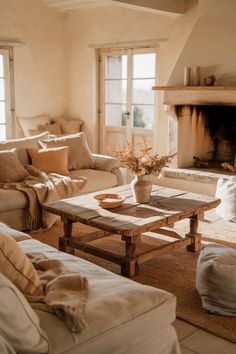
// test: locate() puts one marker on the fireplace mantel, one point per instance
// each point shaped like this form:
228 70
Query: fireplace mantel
198 95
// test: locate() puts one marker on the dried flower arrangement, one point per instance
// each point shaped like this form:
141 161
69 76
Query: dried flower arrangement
144 163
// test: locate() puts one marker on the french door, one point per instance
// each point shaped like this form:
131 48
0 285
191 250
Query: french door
5 105
127 102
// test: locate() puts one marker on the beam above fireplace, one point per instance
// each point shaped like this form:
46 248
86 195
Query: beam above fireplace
198 95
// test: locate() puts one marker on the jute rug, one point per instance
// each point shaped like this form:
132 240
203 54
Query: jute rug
174 272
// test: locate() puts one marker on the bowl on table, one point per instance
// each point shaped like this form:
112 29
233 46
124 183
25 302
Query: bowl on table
109 200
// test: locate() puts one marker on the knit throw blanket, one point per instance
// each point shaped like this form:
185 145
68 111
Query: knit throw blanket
41 188
65 293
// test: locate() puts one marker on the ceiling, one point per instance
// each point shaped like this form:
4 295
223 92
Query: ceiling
168 6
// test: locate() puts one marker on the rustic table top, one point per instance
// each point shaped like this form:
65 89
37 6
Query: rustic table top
166 206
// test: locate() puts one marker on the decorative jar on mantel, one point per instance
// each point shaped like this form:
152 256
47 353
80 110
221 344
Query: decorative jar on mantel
141 187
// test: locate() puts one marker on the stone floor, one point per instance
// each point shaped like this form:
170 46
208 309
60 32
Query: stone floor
197 341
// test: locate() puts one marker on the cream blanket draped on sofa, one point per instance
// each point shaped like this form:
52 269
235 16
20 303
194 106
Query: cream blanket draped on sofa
41 188
65 293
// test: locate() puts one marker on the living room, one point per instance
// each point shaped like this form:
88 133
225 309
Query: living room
55 51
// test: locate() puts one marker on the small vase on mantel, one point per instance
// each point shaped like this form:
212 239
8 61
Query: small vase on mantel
141 187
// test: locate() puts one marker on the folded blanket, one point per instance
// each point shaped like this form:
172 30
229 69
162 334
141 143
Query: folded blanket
40 188
65 293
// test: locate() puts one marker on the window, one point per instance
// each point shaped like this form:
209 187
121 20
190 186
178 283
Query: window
6 125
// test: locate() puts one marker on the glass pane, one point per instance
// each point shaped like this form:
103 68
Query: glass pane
2 132
116 91
143 116
1 65
115 115
144 65
2 91
116 67
2 112
142 91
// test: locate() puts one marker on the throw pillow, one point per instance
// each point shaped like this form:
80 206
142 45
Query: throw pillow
226 191
21 146
17 235
80 156
17 267
53 160
11 170
53 128
26 123
19 323
70 126
5 346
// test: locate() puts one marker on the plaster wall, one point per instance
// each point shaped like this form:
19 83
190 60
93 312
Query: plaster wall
39 66
211 44
101 26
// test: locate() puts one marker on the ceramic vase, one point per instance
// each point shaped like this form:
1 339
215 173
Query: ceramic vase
141 187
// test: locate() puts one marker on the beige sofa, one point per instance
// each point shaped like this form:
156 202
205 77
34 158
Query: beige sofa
122 315
105 173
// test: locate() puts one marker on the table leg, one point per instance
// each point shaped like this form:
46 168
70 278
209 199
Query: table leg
64 240
196 237
129 266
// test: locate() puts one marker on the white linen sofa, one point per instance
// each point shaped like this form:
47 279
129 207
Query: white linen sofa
123 316
105 173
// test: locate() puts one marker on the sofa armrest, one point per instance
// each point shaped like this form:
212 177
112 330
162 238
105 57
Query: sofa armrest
109 164
105 163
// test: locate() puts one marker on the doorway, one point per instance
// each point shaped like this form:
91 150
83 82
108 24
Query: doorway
127 102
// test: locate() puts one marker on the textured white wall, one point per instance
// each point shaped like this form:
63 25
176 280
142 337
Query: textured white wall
40 65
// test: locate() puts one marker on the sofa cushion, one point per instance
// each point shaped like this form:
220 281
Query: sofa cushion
96 180
11 200
19 323
52 160
11 170
27 123
21 146
80 155
8 231
17 267
114 303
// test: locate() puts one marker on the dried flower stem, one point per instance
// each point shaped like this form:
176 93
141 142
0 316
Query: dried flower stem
143 163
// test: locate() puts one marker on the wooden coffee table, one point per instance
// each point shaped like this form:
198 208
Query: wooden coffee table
131 220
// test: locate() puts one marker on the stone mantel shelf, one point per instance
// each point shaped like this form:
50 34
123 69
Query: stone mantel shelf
198 95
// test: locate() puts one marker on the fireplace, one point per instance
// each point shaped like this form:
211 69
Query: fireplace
207 132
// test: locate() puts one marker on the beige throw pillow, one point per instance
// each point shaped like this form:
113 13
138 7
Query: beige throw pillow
53 160
26 123
19 324
53 128
17 267
80 155
21 146
70 126
11 170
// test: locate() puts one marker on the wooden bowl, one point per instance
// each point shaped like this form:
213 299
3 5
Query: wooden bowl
109 200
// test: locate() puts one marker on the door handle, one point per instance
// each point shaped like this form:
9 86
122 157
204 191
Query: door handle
127 115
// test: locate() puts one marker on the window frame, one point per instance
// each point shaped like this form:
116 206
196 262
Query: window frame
7 53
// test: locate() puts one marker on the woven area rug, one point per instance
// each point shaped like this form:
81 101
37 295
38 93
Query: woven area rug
174 272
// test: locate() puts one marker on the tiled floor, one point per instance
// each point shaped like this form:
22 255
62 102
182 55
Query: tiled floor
197 341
